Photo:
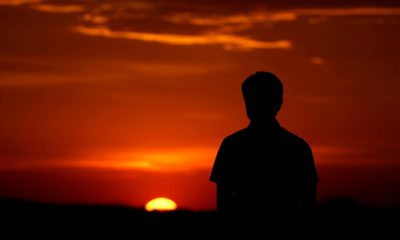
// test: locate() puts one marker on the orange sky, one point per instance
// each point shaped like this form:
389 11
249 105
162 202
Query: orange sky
125 101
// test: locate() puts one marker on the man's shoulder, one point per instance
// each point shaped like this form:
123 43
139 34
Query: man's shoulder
292 138
237 136
243 135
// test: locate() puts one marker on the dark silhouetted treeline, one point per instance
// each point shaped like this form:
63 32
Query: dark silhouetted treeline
333 216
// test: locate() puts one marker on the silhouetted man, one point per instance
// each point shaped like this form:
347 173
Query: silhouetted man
264 167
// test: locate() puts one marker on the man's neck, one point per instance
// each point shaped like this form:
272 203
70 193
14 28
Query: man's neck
264 123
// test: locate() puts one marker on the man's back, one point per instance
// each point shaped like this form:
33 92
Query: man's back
264 167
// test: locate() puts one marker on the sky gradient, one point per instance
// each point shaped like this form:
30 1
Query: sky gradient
125 101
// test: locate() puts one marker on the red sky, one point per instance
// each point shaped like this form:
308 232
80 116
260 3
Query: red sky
125 101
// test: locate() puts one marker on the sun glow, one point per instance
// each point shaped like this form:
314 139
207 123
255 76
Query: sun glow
161 204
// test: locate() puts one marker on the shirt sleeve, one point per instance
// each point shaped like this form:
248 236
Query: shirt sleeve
218 172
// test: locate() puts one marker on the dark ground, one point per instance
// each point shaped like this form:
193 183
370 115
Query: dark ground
335 217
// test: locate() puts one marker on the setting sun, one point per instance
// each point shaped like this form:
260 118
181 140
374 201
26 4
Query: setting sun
160 204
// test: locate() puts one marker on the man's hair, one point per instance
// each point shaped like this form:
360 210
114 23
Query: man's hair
262 83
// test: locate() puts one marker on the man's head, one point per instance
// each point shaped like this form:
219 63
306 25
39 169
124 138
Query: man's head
263 95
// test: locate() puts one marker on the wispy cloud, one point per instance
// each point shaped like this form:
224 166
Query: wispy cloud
233 23
244 21
339 12
94 18
229 42
18 2
100 18
58 8
158 161
121 6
